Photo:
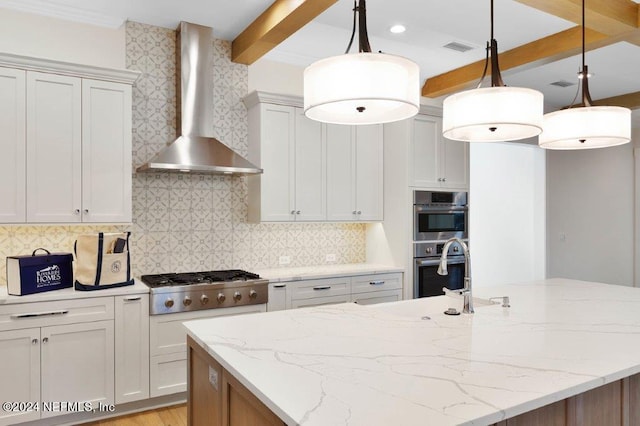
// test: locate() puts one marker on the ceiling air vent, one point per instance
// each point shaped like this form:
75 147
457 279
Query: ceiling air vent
563 83
458 47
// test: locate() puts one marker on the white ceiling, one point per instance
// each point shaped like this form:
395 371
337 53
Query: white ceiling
430 25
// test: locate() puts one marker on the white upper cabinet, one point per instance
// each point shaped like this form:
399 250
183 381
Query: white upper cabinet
312 171
354 173
437 162
66 142
12 146
54 148
106 151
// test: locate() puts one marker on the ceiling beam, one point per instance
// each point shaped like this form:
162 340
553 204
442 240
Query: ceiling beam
609 17
557 46
273 26
628 100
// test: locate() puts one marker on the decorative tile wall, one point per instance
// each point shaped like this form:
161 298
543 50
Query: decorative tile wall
184 222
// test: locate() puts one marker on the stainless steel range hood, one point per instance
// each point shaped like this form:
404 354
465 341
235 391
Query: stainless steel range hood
195 150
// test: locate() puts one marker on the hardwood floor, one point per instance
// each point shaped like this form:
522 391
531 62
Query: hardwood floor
175 415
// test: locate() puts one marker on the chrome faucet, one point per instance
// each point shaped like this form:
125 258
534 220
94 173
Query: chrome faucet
442 270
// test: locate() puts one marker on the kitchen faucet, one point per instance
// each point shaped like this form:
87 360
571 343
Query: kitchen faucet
442 270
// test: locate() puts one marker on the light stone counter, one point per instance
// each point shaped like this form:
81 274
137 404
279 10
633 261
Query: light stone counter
138 287
324 271
385 364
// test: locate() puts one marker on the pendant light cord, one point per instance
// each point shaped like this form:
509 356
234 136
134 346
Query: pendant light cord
492 55
586 96
360 15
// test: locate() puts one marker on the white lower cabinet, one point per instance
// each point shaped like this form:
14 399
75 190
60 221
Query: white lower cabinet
168 347
19 372
131 348
77 364
56 352
361 289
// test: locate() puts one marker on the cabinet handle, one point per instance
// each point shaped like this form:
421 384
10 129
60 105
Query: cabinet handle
359 212
322 287
298 212
354 212
34 342
376 282
132 299
444 179
293 212
86 211
38 314
45 340
279 285
76 211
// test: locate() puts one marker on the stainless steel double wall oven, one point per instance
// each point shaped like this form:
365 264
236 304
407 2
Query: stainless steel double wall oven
438 216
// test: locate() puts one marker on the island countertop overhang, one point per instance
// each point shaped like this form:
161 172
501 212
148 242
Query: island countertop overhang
350 363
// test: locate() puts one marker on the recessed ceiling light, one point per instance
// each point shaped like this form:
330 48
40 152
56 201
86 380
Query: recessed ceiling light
398 29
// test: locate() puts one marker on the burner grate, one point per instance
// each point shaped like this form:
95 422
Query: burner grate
189 278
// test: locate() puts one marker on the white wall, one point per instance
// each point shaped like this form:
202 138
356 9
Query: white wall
507 213
590 214
51 38
275 77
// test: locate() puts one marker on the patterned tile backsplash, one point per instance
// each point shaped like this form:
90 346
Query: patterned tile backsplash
185 222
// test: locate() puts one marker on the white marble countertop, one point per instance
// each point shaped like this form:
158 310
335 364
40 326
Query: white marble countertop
138 287
324 271
384 364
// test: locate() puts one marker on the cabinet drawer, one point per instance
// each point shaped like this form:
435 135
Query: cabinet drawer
168 374
377 282
319 288
59 312
167 335
373 297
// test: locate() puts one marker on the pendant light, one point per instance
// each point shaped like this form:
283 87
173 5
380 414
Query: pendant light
587 126
492 114
363 87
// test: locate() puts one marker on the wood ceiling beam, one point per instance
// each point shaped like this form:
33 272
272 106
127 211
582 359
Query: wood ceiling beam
609 17
545 50
273 26
628 100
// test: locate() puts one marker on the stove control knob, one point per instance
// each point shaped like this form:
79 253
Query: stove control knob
456 249
221 298
204 299
253 294
429 250
186 301
237 296
168 303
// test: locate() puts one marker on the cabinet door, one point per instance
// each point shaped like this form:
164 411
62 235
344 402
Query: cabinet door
54 160
19 372
277 297
310 169
77 363
12 145
106 151
374 297
277 155
369 173
455 164
341 174
131 348
425 152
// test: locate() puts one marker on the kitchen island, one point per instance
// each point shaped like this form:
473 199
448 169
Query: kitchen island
564 352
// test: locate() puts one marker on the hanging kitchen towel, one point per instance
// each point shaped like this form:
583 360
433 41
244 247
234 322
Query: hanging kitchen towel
102 261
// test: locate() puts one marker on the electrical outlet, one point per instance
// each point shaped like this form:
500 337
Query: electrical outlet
330 258
284 260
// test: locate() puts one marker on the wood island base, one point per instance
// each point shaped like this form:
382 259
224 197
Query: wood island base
216 398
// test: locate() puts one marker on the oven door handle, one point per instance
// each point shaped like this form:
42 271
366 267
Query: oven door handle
433 262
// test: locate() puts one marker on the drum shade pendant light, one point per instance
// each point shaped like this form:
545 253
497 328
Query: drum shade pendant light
364 87
492 114
587 126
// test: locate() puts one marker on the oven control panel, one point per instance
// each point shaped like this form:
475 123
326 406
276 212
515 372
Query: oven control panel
434 249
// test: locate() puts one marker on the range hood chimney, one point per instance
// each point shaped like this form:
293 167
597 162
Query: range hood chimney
196 150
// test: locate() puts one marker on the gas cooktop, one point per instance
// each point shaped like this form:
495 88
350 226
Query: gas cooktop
194 291
191 278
